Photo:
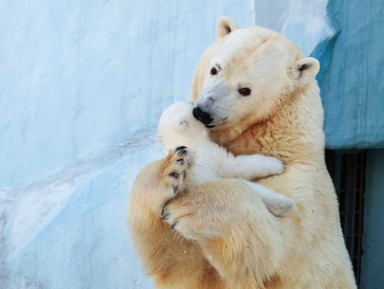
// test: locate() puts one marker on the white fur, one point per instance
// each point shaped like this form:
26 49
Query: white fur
177 127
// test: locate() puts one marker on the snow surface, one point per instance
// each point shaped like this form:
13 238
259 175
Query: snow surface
82 84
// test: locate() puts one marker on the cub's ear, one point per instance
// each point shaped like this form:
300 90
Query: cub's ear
224 26
182 125
306 69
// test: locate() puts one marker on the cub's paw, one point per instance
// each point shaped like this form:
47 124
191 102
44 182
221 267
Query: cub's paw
275 166
279 205
176 168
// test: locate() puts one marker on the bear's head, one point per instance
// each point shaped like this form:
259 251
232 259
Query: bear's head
246 74
177 126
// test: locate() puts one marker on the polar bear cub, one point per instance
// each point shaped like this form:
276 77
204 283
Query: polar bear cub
177 127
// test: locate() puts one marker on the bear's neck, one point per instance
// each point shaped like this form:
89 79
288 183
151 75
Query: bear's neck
293 133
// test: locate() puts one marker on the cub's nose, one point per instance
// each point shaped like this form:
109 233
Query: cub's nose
201 115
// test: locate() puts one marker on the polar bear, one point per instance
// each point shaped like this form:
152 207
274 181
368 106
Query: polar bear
257 93
178 128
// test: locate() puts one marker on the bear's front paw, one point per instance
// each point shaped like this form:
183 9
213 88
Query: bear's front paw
184 218
177 215
176 168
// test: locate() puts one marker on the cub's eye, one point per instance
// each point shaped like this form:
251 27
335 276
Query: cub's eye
213 71
245 91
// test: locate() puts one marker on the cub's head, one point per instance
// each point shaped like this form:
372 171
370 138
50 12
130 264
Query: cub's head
246 74
177 126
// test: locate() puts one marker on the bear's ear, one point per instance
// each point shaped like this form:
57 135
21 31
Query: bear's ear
159 139
306 69
224 26
182 125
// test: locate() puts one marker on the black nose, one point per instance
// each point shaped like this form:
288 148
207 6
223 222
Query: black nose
203 116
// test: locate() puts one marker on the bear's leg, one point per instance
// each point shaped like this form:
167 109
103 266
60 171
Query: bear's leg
171 260
234 229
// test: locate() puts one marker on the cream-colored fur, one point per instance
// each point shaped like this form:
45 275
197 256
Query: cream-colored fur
178 128
219 234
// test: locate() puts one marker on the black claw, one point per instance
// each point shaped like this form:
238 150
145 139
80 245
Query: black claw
180 148
182 152
174 175
175 189
165 217
174 225
180 161
164 212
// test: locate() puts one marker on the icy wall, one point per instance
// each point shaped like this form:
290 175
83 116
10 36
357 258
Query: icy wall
353 86
82 84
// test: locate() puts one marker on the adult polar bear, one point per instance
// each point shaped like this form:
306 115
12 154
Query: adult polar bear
258 94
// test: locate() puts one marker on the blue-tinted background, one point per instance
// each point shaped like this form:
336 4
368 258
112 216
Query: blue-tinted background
82 84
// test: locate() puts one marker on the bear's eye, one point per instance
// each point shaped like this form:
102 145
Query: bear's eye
245 91
213 71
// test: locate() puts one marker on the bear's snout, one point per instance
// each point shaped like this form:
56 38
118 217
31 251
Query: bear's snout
202 116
